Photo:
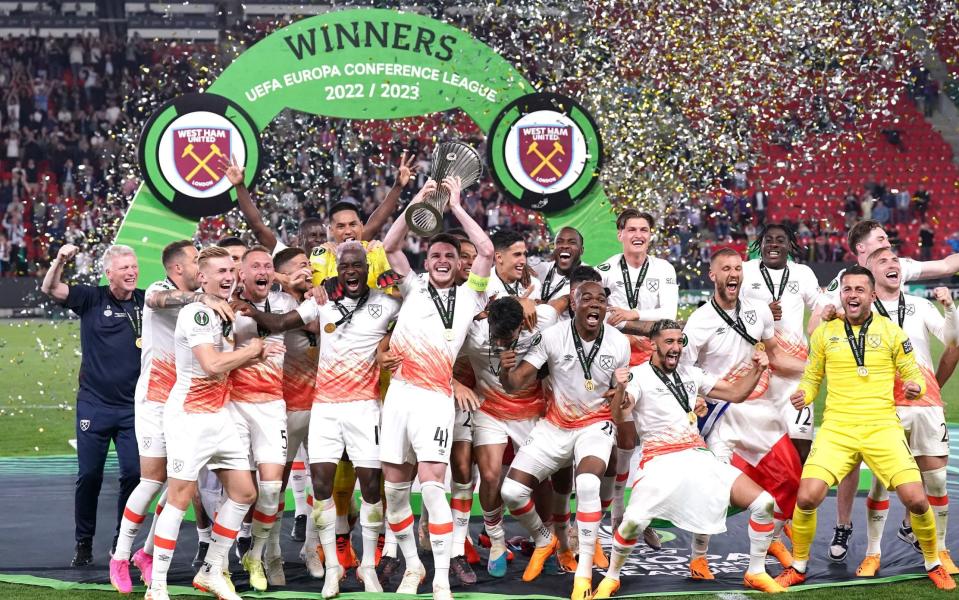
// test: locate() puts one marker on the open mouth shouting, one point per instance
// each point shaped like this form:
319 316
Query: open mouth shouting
671 359
593 318
732 286
262 284
892 276
352 284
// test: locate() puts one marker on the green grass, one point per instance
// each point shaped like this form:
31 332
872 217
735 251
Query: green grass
39 361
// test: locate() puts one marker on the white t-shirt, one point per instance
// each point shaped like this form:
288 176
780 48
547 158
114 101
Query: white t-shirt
662 424
713 346
299 368
499 288
553 284
195 391
658 295
157 361
497 403
263 381
420 335
347 370
569 405
921 321
910 270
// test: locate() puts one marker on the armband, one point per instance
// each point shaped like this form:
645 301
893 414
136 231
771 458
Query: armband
477 283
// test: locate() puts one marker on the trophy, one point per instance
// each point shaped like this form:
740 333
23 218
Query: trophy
450 159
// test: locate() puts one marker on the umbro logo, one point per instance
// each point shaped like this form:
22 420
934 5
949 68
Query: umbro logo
721 331
568 357
756 286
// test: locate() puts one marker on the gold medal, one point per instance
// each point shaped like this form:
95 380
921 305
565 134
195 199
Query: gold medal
692 417
329 327
760 346
863 371
448 334
590 386
139 342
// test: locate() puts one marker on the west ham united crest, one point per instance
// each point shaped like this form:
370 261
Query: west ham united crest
544 150
186 147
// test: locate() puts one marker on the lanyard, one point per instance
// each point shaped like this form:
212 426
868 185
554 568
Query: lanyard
446 312
900 309
512 291
546 294
632 294
586 362
769 281
346 315
858 347
675 387
261 331
736 325
489 355
135 320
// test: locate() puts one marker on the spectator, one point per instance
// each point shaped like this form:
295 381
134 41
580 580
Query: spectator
922 198
5 255
881 213
902 207
926 240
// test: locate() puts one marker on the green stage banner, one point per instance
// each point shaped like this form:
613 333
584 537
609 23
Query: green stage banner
544 151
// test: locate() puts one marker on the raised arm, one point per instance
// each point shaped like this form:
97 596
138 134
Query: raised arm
737 391
264 235
396 237
483 262
934 269
53 285
386 209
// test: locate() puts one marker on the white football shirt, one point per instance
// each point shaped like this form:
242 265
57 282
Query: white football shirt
157 360
263 381
195 391
658 295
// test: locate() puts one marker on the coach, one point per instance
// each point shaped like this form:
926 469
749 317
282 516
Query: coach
110 329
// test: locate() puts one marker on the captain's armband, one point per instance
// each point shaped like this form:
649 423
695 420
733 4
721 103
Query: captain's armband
477 283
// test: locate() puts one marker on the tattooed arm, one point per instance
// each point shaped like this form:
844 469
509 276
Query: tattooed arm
180 298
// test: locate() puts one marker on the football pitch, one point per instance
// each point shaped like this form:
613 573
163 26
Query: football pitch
39 361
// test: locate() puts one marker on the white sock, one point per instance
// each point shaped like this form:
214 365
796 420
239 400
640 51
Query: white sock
399 515
203 534
264 515
624 540
371 524
225 528
700 545
606 485
623 462
273 540
440 528
493 522
934 481
148 544
133 515
518 499
588 516
877 510
324 516
298 483
164 541
760 531
461 505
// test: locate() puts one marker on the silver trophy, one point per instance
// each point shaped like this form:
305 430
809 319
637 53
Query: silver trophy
450 159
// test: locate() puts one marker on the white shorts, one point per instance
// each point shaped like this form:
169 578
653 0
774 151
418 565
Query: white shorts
690 488
350 426
549 448
799 423
297 431
195 440
488 430
463 423
148 424
262 429
926 429
417 425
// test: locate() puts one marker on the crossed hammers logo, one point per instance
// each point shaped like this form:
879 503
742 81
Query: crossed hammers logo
545 160
201 163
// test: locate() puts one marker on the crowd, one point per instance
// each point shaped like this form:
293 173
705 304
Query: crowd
72 108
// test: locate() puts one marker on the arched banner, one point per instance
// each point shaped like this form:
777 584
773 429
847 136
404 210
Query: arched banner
367 64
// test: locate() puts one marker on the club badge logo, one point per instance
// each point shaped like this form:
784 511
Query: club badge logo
793 287
605 361
750 317
652 285
874 340
544 150
84 424
910 309
186 147
177 466
375 310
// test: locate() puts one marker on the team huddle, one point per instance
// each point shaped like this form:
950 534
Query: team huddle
532 381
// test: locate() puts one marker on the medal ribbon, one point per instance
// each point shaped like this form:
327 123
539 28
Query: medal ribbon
675 387
135 321
736 325
586 362
446 312
858 349
769 281
546 294
512 291
347 314
261 331
632 294
900 309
